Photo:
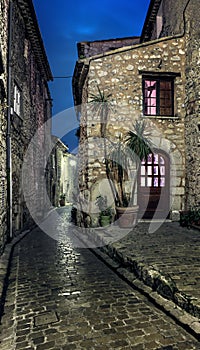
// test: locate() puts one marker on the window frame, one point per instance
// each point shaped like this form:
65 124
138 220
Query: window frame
158 80
153 168
17 98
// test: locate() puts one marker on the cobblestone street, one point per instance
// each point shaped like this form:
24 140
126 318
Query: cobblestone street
61 297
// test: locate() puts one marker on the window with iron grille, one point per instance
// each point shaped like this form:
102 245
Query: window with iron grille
17 100
158 96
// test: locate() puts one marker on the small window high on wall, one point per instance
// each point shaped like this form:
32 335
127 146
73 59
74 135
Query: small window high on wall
158 96
17 100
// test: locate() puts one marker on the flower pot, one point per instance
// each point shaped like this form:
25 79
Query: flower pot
105 220
127 217
62 202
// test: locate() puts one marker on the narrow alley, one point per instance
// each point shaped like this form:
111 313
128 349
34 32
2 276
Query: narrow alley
61 297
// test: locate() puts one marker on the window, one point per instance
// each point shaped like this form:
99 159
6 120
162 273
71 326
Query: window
2 194
153 171
17 100
158 96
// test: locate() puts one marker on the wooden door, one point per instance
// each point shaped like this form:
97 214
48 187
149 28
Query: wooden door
153 187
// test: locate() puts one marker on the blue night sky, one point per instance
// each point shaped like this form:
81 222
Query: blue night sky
64 23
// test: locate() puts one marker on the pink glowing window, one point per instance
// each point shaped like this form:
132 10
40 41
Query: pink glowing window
158 96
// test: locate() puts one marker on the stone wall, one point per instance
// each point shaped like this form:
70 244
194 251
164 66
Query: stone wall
70 176
120 73
179 19
192 104
172 14
4 32
34 111
63 173
92 48
29 72
3 121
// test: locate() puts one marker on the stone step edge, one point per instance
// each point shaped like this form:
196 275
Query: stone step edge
183 318
5 261
156 280
152 277
160 285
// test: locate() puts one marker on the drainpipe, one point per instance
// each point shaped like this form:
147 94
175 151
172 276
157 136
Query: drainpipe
8 136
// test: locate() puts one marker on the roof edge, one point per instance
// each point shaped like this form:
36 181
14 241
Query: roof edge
33 30
154 5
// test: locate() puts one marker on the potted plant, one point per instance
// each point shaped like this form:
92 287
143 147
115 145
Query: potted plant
62 199
126 159
133 150
190 217
105 211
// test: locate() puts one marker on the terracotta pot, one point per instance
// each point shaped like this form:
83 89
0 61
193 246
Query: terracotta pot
127 217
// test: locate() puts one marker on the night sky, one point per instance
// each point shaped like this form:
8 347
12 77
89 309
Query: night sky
64 23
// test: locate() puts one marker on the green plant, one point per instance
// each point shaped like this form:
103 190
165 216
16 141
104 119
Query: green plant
190 217
134 149
102 106
126 159
63 196
62 200
105 216
101 202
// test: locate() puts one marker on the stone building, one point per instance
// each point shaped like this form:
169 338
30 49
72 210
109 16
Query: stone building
181 18
63 173
25 73
156 80
3 119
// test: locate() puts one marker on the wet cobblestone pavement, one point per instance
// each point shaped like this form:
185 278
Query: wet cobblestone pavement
61 297
170 254
172 249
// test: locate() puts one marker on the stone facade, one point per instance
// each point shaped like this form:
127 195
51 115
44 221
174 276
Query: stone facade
71 178
27 71
192 105
29 75
181 18
120 73
92 48
63 173
3 120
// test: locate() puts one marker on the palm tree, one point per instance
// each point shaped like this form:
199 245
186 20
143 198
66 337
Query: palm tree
101 105
139 146
134 149
125 156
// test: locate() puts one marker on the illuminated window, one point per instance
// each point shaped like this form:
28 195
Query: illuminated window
17 100
153 171
158 96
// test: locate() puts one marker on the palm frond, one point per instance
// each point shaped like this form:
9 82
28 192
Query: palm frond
137 142
101 97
